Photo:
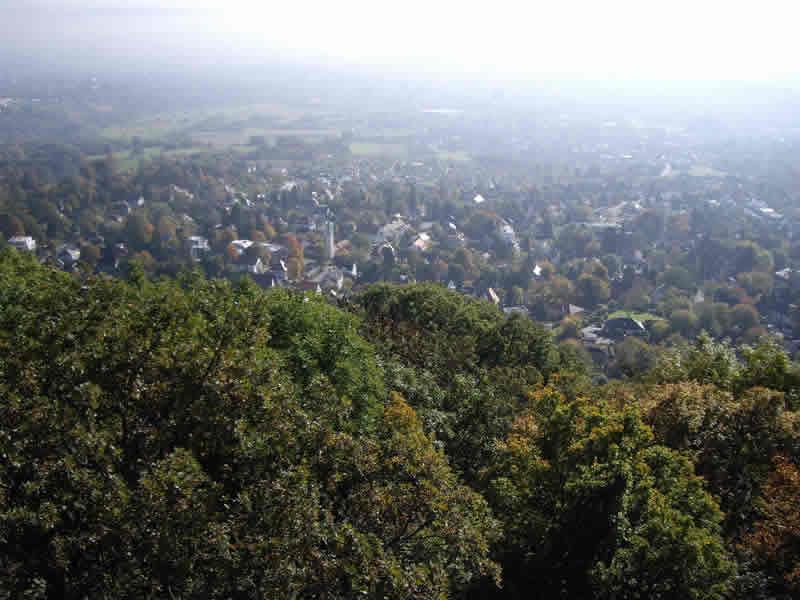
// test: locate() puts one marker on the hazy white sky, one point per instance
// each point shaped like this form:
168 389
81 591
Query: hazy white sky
602 39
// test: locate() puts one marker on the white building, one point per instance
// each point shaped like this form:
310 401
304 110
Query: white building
329 240
23 243
507 232
391 232
241 245
198 246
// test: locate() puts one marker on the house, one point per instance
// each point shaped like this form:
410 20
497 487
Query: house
278 269
118 211
68 256
241 245
455 240
516 310
623 326
391 232
303 224
276 251
575 310
198 246
23 243
422 243
308 286
247 264
329 278
175 189
508 234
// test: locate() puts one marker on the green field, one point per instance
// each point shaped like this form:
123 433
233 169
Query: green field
185 122
242 136
379 149
457 156
700 171
639 316
126 161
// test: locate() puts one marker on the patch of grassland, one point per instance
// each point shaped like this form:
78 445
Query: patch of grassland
379 149
701 171
639 316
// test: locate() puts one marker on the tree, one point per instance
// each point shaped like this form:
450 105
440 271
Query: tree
139 231
570 328
756 282
294 268
90 254
194 439
612 263
678 277
144 259
594 509
295 263
463 257
573 241
597 269
591 291
561 289
636 298
683 322
659 330
387 254
651 224
749 256
731 440
705 361
269 231
257 251
231 254
776 537
11 226
767 365
517 296
573 357
166 231
744 316
633 357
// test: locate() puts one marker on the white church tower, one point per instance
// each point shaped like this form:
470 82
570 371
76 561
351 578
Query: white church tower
329 239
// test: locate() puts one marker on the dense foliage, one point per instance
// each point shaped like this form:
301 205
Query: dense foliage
190 438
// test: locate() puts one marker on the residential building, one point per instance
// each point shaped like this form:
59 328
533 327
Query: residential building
23 243
198 246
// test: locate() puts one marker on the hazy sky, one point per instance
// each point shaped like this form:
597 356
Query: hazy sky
602 39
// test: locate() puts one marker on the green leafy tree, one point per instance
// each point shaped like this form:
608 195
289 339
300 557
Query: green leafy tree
194 439
775 539
591 291
744 317
731 440
594 509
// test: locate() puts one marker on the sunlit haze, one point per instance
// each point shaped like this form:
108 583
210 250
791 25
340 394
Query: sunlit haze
622 39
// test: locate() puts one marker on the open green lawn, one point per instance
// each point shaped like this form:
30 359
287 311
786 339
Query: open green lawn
379 149
701 171
457 156
126 161
170 123
639 316
242 136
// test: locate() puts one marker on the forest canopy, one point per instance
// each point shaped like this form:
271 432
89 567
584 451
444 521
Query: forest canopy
188 438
